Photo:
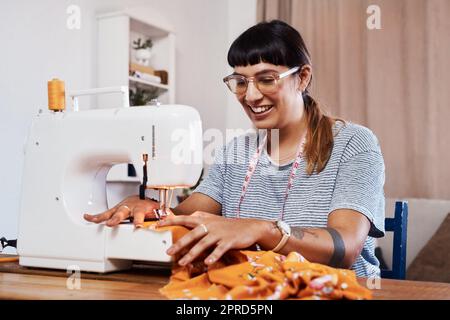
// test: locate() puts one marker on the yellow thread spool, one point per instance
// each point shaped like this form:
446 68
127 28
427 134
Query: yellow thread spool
56 95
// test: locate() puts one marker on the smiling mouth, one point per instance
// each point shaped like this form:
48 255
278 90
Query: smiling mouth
261 109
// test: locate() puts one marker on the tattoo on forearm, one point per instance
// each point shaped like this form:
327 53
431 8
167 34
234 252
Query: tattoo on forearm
339 248
338 244
299 233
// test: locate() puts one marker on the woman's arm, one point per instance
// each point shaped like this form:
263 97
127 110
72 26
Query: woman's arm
198 202
338 245
140 210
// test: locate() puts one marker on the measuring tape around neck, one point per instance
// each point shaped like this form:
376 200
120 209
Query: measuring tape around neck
252 167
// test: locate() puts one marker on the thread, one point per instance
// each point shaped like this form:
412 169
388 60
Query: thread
56 95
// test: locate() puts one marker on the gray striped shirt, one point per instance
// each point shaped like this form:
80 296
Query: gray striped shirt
352 179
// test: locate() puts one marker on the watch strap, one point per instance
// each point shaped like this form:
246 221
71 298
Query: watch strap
281 244
284 239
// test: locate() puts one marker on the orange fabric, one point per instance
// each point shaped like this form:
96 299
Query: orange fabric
260 275
177 232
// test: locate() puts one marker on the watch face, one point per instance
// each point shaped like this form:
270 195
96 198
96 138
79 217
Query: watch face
284 227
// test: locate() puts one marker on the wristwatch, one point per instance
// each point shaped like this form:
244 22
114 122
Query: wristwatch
285 231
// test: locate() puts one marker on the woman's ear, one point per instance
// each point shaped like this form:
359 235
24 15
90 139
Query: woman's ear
305 75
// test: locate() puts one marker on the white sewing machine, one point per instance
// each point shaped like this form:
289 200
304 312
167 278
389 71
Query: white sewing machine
67 159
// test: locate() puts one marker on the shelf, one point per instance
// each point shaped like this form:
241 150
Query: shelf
156 89
148 83
116 32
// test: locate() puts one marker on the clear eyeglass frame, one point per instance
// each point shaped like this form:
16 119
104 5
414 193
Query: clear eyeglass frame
266 83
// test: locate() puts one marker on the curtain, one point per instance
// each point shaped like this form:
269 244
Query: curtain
274 9
395 80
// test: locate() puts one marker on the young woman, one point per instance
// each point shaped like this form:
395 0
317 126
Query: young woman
317 189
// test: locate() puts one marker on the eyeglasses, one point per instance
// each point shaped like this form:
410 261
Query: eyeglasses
266 83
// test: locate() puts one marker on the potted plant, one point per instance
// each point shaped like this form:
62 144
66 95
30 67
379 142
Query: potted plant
143 51
142 97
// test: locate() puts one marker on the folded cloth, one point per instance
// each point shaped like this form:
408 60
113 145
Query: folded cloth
245 274
146 76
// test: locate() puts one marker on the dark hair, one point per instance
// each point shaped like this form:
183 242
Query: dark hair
278 43
273 42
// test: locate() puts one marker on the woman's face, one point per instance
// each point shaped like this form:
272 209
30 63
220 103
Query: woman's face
275 110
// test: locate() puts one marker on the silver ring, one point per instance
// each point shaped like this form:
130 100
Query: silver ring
204 228
124 206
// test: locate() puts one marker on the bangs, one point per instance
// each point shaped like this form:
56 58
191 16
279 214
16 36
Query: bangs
261 44
251 49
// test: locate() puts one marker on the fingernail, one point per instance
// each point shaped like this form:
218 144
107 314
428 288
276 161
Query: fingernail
209 261
140 225
182 262
170 250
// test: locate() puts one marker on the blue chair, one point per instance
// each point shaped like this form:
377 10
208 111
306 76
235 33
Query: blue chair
398 225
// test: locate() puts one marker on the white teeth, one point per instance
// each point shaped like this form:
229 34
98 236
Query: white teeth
260 109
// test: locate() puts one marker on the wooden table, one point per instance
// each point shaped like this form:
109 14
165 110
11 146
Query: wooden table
144 282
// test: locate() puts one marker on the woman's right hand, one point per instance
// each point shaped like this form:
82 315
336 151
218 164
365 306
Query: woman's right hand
132 206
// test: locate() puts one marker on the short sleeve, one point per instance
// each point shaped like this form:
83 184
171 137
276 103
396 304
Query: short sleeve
360 186
213 184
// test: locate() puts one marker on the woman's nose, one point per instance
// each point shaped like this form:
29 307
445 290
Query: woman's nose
252 94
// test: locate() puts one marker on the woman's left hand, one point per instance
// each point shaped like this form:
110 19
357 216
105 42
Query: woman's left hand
209 230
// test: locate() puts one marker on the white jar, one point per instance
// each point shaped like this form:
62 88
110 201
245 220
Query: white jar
143 56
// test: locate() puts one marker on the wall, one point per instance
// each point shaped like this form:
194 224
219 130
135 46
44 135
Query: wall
244 16
37 46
